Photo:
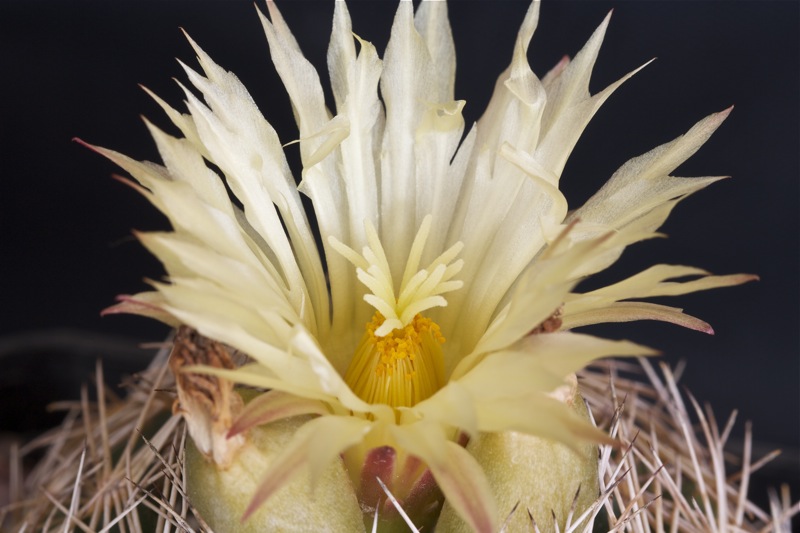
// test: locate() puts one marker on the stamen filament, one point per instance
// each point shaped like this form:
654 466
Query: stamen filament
401 368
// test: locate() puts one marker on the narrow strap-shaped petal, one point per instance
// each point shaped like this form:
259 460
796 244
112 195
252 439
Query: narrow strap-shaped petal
145 173
538 415
499 212
247 149
185 163
183 122
570 88
433 25
341 54
653 282
538 293
632 311
143 304
407 86
298 75
261 333
354 78
189 211
437 139
245 280
572 84
275 405
515 110
557 143
540 363
259 375
320 172
644 182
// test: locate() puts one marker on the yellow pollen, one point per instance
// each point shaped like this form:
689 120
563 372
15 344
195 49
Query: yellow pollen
401 368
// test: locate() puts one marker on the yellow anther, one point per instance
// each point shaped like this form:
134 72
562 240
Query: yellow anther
412 353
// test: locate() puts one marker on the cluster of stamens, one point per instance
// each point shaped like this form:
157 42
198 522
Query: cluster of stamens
401 368
399 360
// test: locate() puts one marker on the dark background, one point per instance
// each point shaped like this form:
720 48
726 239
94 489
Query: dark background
71 69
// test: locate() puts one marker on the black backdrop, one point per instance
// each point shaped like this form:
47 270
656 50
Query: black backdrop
72 68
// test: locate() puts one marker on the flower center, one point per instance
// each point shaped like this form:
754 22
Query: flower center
399 360
399 369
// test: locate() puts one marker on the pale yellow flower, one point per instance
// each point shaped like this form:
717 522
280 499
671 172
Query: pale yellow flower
441 253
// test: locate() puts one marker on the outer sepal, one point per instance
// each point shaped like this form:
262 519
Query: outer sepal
541 475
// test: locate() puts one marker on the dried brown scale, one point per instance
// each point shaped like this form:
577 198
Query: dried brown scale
208 403
189 349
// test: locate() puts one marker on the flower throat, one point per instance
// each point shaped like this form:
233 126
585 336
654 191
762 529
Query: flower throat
399 369
399 360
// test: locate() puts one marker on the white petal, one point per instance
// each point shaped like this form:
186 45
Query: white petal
515 109
407 84
538 293
433 25
183 122
185 163
248 151
554 420
275 405
298 75
631 311
541 363
568 90
643 183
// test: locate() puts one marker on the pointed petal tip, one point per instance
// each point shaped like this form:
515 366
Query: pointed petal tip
112 309
118 308
719 117
699 325
188 37
648 351
606 21
83 143
192 42
120 178
183 65
274 13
